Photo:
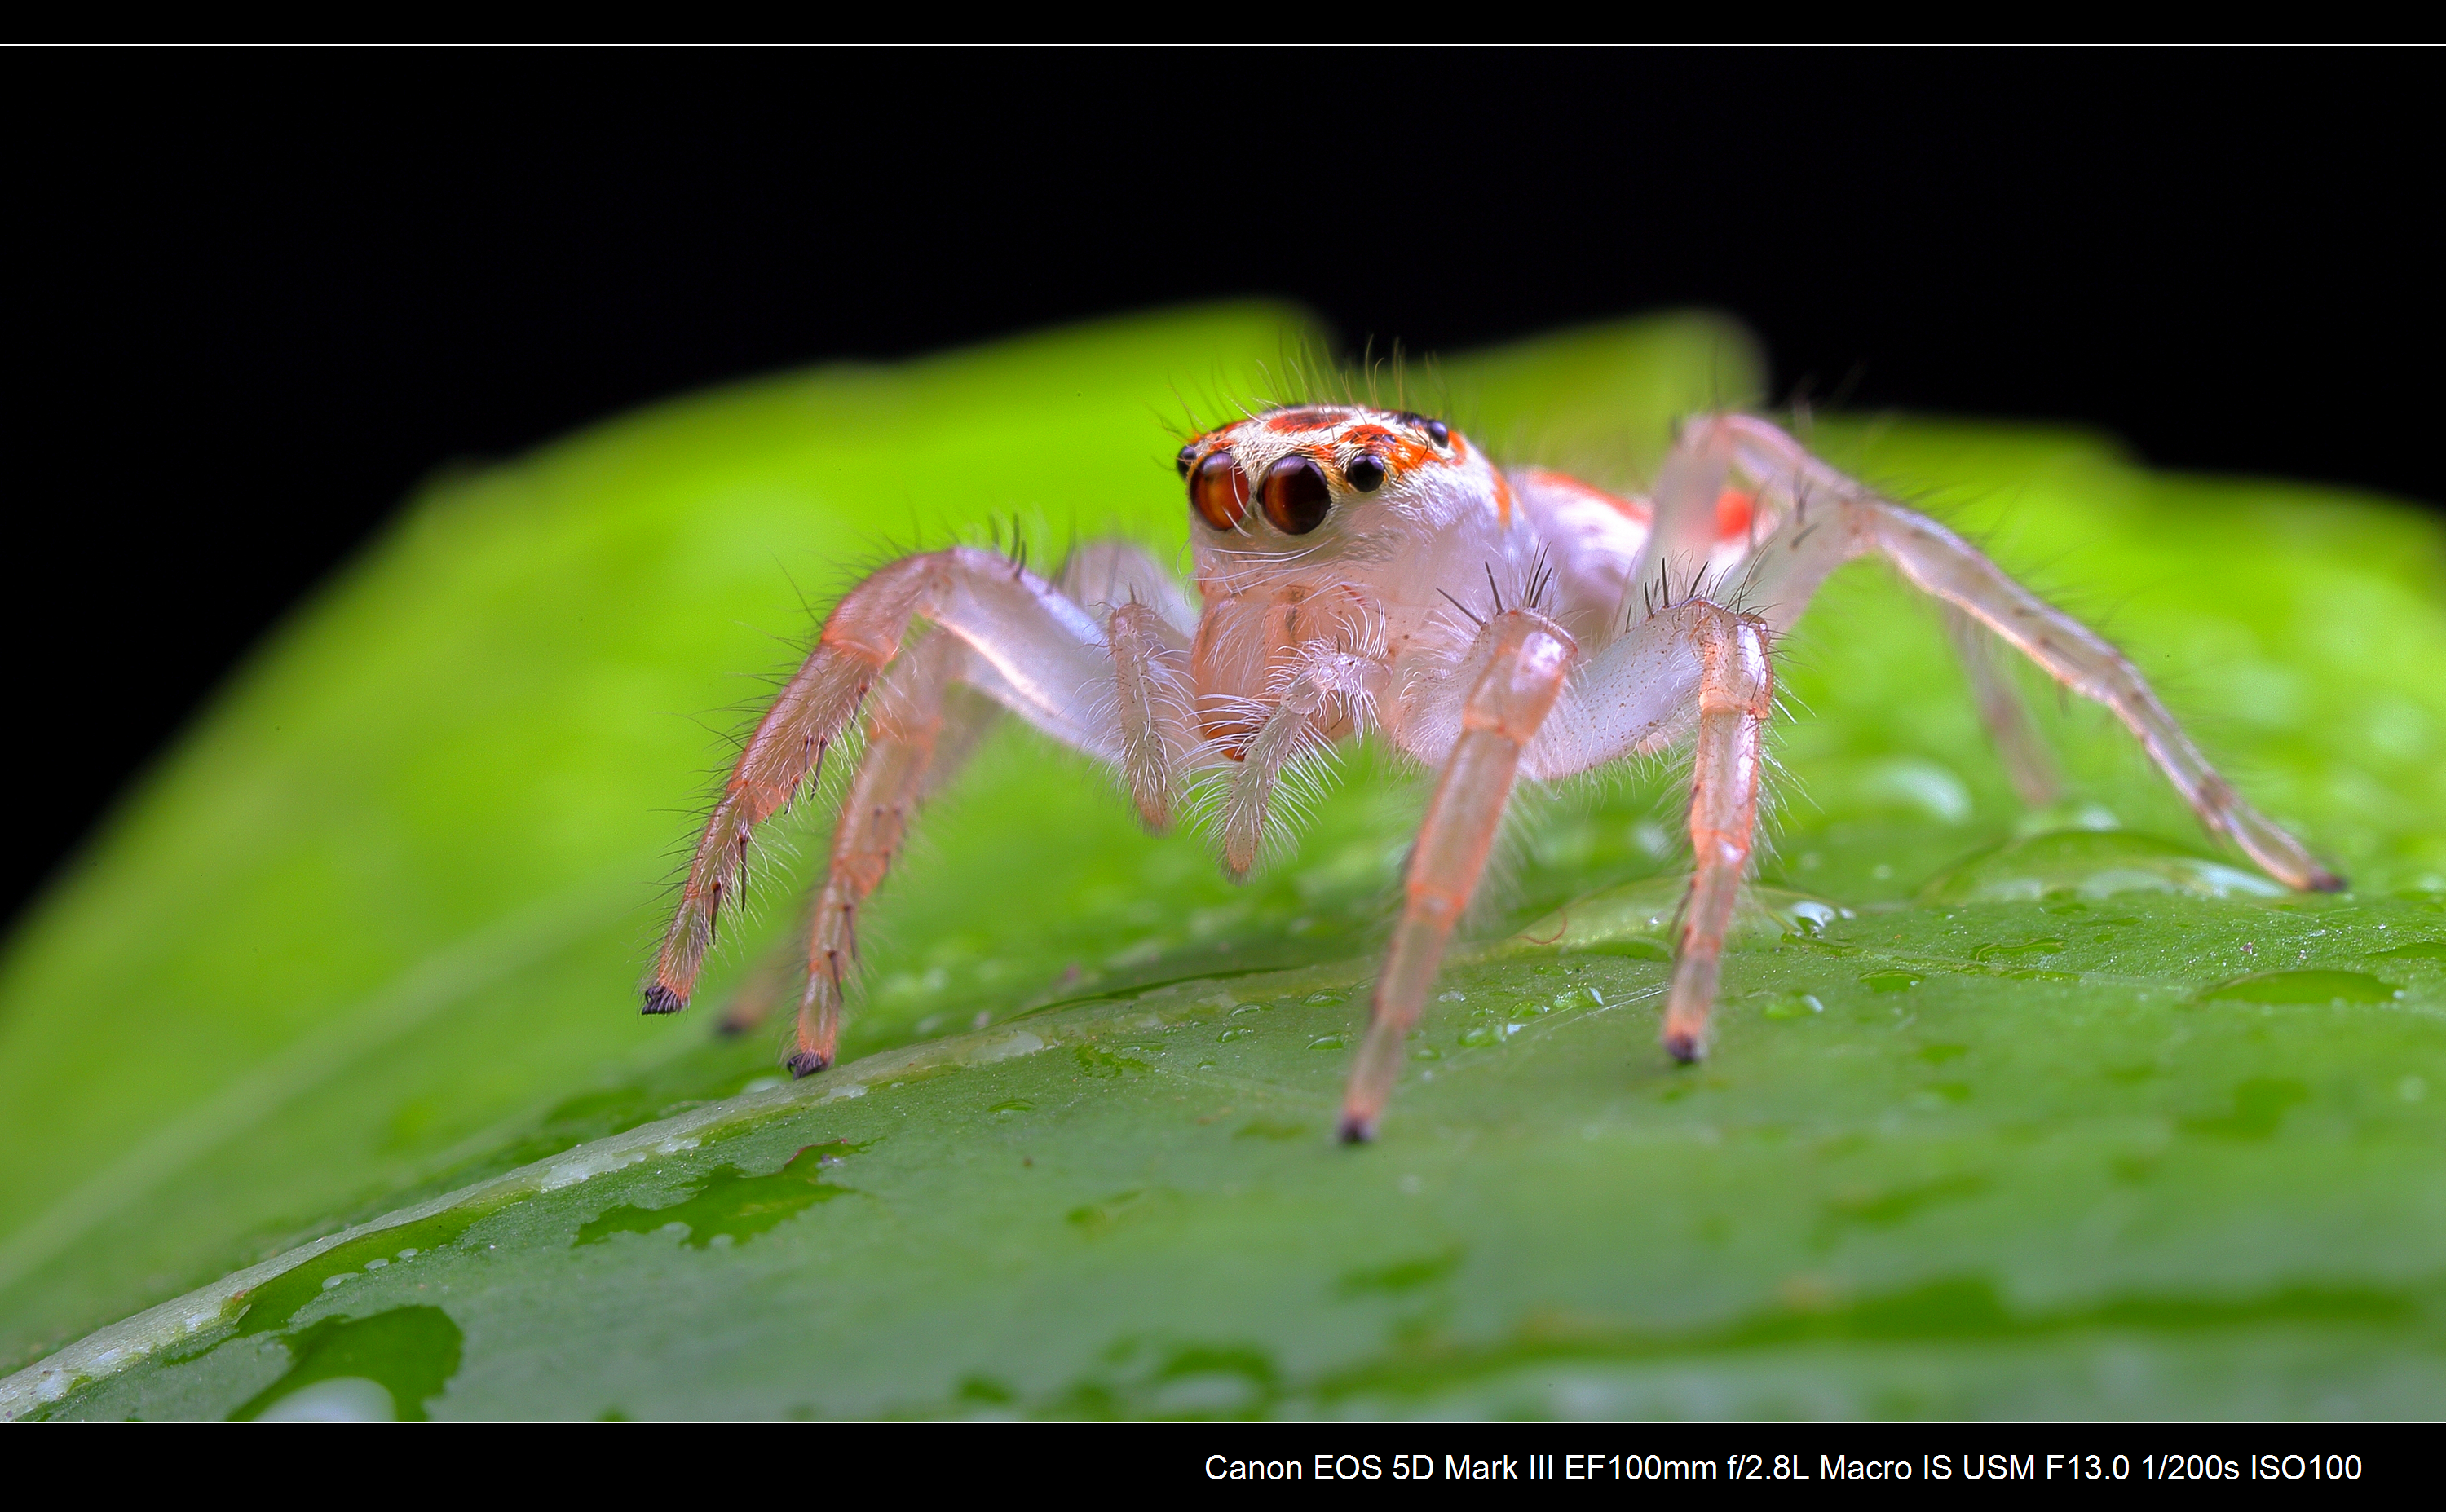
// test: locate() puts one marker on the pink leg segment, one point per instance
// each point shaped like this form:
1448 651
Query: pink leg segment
2000 709
1150 706
1699 669
905 733
1940 563
1148 624
921 725
1736 695
1528 658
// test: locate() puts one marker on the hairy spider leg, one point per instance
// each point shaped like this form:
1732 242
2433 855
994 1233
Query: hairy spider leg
1698 664
2017 742
1525 658
912 726
1736 695
1846 519
1148 624
922 722
1036 652
924 717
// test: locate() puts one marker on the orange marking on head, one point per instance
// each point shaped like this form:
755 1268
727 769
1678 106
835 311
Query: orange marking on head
1502 501
1733 511
1303 418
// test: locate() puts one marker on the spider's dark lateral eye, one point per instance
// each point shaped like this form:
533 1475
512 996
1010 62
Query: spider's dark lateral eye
1296 496
1219 491
1440 432
1366 473
1188 455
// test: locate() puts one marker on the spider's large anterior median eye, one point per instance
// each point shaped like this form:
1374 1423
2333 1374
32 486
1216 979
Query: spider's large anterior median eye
1296 496
1219 491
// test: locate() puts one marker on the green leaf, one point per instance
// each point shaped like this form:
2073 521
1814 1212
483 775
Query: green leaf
2013 1115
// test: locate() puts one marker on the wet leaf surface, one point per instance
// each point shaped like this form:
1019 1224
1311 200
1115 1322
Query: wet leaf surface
2018 1114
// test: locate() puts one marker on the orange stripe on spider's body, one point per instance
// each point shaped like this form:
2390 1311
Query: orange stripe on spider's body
1734 512
1638 510
1502 500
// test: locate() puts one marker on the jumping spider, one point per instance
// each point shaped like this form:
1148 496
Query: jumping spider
1351 565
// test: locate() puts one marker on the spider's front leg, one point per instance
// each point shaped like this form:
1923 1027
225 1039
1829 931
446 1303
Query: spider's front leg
1735 694
1697 663
1006 631
1523 657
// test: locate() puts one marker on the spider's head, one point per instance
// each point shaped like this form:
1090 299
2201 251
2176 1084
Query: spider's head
1310 474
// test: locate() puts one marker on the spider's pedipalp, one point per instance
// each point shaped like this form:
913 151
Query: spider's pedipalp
1288 737
1147 624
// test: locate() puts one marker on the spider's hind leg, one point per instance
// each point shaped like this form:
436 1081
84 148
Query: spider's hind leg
1847 519
2018 745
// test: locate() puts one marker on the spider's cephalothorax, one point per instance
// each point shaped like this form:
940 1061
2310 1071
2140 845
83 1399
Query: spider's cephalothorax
1361 569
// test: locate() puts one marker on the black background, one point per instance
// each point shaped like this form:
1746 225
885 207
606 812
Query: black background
260 294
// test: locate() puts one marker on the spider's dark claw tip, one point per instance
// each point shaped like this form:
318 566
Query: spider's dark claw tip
1356 1130
661 1000
806 1063
1683 1048
2325 880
